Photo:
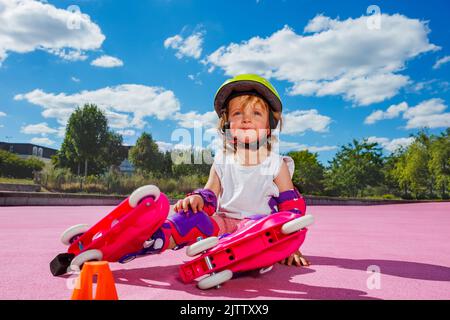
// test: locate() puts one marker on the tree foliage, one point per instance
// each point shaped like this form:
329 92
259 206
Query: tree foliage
309 173
89 146
355 167
12 166
145 155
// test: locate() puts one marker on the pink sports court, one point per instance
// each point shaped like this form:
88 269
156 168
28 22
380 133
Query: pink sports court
357 252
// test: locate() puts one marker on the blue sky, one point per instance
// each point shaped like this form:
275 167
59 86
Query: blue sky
343 71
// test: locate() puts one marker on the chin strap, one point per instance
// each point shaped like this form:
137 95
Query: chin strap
290 200
253 145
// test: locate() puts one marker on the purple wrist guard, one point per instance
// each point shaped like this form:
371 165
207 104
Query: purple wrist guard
209 198
282 197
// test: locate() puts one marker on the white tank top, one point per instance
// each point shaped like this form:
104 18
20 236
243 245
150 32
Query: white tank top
246 190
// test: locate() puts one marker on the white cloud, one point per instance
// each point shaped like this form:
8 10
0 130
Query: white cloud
74 79
430 121
294 146
42 141
107 62
29 25
420 86
302 120
429 113
123 105
127 133
164 146
392 112
2 114
339 57
391 144
168 146
425 108
61 132
189 47
117 120
320 23
138 100
362 90
192 119
441 61
69 55
195 78
40 128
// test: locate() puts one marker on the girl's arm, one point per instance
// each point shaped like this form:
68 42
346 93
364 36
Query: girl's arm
283 180
289 198
213 182
284 183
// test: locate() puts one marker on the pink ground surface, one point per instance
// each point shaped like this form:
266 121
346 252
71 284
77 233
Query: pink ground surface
410 244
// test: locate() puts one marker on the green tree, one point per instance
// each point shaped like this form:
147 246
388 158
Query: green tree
309 172
439 163
87 132
355 167
416 170
399 172
88 143
113 152
145 155
11 165
191 162
67 157
391 181
422 169
167 165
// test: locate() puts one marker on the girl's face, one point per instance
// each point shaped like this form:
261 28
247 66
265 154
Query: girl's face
248 123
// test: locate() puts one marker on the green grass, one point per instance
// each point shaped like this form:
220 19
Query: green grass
16 181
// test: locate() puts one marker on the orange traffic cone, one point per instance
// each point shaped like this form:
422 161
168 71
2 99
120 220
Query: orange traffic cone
106 289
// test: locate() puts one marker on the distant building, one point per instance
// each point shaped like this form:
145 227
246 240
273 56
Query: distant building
27 150
126 166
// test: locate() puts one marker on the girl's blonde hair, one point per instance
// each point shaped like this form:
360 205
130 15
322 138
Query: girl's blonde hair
248 100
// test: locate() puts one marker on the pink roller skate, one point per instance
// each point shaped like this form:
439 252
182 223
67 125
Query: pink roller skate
120 236
256 246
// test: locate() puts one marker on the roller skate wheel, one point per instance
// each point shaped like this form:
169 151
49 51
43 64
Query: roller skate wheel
68 235
79 260
143 192
297 224
202 245
215 279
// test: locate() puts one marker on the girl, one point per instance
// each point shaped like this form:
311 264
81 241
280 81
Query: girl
247 177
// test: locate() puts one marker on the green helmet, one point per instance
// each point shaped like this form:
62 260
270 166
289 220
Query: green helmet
245 84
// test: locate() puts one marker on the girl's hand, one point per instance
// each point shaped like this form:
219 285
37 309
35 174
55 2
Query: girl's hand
299 259
194 201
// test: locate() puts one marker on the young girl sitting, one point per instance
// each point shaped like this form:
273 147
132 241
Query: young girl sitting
247 180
